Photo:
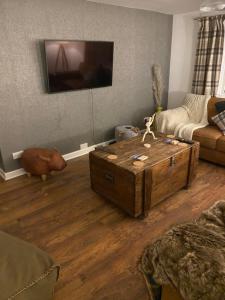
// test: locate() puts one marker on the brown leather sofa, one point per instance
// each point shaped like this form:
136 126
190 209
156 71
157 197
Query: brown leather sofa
212 148
26 272
169 293
212 141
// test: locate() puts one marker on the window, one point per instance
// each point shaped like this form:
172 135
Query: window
221 86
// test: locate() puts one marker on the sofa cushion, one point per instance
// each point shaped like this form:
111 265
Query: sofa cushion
212 108
207 136
212 155
221 144
219 120
220 106
26 272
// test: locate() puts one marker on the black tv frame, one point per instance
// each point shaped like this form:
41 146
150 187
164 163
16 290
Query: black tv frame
69 40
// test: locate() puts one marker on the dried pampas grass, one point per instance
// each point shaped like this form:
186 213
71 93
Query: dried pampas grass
157 84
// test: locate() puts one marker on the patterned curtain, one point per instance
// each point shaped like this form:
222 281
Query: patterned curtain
209 55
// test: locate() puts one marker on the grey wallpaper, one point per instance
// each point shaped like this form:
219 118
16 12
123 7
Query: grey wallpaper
31 117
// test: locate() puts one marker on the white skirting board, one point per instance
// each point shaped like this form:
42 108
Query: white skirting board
2 174
68 156
14 174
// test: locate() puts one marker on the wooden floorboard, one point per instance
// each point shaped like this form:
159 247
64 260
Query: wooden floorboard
96 244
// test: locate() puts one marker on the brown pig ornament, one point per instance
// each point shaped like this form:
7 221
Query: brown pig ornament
41 162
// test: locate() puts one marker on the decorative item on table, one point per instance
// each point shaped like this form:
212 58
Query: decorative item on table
139 157
177 141
138 163
112 157
148 122
170 136
41 161
147 146
184 141
157 86
125 132
171 141
138 160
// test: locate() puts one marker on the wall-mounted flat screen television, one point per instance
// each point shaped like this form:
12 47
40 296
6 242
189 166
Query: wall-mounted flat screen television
77 65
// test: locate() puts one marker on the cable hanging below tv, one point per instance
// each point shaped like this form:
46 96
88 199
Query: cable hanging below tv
77 65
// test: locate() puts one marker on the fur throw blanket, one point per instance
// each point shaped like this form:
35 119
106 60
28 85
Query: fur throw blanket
191 257
182 121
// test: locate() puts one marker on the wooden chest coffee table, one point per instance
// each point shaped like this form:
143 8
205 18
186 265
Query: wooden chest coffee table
168 169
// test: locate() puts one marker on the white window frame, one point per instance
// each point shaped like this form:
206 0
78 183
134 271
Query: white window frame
221 87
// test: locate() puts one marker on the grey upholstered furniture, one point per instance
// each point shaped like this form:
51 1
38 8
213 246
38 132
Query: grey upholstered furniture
26 272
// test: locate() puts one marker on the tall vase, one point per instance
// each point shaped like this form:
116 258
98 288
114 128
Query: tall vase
159 109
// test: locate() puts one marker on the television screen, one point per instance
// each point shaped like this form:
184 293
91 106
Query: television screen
76 65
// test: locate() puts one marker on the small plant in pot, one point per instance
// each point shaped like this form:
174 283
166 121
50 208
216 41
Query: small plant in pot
157 86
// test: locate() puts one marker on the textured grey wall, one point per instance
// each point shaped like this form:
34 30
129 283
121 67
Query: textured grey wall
31 117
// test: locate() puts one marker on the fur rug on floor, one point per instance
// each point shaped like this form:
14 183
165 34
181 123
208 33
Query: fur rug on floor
191 257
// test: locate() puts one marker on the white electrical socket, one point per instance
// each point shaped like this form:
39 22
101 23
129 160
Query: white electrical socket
83 146
17 155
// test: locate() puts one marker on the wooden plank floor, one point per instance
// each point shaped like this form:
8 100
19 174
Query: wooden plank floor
96 244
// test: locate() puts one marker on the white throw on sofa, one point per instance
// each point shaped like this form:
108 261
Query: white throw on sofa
182 121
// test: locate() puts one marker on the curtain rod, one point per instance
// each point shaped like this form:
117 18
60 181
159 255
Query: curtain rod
200 18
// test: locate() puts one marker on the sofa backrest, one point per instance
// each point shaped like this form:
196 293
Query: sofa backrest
212 108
